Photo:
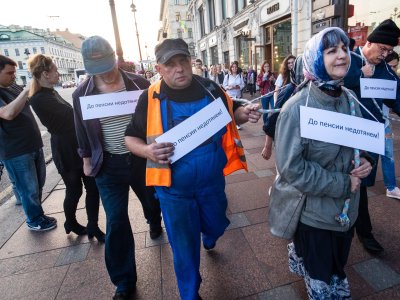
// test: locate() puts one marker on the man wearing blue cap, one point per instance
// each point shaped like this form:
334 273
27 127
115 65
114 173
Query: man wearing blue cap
105 156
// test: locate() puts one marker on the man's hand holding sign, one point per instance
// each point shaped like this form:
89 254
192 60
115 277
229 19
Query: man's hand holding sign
189 134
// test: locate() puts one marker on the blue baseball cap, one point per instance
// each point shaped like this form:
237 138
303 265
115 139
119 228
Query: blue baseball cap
98 56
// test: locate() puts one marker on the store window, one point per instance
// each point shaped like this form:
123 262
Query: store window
244 52
365 16
226 57
214 55
282 42
223 9
6 52
204 57
239 5
211 14
201 20
179 32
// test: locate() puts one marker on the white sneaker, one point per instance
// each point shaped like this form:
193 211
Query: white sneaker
395 193
238 127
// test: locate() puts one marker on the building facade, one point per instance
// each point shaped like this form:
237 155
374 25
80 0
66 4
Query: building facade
20 43
249 31
177 22
253 31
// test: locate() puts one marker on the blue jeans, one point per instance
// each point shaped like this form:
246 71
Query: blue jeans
118 173
267 103
27 172
388 169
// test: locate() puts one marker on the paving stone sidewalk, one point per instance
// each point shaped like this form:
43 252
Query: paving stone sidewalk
247 263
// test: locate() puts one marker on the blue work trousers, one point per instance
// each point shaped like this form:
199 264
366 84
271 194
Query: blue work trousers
194 208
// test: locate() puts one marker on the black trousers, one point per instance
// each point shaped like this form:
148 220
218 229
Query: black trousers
73 191
324 252
363 223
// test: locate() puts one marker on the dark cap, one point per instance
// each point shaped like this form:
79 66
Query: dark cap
169 48
98 56
386 33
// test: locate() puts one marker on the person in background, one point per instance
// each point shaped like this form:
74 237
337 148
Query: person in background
198 68
244 76
58 117
388 163
322 172
352 44
251 80
21 148
221 74
1 169
149 75
283 79
239 69
295 83
115 169
192 198
284 74
265 81
369 62
233 82
214 76
205 71
225 68
393 61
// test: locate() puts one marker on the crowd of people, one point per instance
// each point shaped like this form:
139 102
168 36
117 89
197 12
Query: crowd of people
111 152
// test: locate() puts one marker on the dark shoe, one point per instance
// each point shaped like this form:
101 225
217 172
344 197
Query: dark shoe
208 247
155 231
75 227
124 295
94 231
42 223
371 244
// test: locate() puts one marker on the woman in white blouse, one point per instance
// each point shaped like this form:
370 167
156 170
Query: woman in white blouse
233 82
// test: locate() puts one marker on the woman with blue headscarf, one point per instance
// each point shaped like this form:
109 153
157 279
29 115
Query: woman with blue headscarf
324 173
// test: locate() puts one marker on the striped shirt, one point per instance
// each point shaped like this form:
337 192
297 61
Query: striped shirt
113 130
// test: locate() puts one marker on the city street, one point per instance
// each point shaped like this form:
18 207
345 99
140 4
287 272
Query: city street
248 262
5 185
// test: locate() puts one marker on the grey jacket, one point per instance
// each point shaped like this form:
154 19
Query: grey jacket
316 169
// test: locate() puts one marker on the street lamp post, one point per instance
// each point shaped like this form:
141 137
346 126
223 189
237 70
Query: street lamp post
120 53
133 7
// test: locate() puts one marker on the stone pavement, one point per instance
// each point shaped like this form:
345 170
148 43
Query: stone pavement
247 263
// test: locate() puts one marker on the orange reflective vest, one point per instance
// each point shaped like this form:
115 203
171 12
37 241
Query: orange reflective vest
160 174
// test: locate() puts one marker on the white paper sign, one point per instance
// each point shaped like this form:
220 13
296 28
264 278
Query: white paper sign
378 88
109 105
341 129
198 128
